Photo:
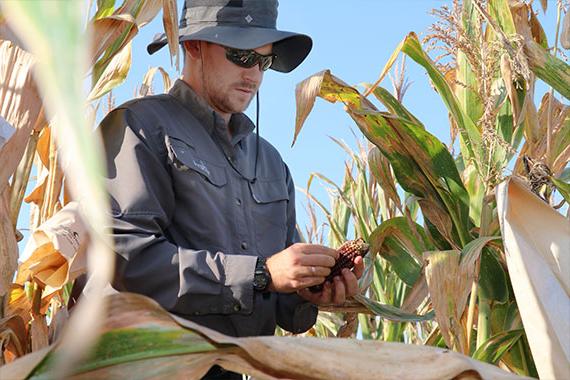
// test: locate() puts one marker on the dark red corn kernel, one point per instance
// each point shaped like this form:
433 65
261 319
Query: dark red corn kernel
348 252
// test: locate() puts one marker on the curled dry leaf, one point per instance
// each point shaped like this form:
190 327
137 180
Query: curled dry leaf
20 105
56 251
173 347
146 85
105 31
114 74
13 337
170 22
536 240
8 246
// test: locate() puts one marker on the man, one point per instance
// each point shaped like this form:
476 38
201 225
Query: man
203 209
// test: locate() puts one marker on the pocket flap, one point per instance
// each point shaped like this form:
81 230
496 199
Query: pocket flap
185 157
269 191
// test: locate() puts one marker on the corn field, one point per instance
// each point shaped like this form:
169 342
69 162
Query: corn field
468 270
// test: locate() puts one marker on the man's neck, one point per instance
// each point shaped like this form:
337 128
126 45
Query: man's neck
199 90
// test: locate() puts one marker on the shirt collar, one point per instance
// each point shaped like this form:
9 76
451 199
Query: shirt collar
240 124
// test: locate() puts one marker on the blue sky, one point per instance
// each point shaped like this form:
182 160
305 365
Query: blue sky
353 39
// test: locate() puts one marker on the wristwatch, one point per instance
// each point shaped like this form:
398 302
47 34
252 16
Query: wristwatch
261 276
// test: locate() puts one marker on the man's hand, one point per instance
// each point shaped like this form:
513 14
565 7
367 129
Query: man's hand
343 286
300 266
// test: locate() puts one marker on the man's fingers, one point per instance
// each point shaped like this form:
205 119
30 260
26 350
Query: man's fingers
306 282
315 271
339 291
316 249
350 282
358 267
318 260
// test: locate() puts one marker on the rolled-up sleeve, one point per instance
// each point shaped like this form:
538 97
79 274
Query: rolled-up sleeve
187 281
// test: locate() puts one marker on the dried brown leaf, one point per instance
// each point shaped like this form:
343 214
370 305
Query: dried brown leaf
13 337
449 283
565 33
146 86
56 251
21 368
20 105
381 170
536 240
39 334
170 22
8 245
105 31
114 74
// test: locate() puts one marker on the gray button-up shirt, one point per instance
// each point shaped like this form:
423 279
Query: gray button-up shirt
189 222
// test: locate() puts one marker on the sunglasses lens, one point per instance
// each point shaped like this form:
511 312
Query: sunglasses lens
249 58
266 62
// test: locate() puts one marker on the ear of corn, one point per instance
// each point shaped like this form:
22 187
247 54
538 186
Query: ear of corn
348 252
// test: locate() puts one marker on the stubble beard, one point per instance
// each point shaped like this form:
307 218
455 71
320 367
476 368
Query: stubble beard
224 101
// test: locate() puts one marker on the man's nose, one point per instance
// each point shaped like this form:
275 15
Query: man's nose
253 74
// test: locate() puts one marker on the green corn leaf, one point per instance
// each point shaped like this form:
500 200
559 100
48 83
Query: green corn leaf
466 92
563 188
501 14
104 8
505 317
390 312
126 345
395 241
492 350
493 283
552 70
394 106
422 164
469 132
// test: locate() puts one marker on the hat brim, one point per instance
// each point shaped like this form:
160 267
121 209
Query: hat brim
290 48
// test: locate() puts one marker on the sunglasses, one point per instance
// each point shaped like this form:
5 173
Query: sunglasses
249 58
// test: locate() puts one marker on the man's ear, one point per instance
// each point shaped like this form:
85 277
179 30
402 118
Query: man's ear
192 48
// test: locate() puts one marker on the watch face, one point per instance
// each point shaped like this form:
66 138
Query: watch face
260 281
261 276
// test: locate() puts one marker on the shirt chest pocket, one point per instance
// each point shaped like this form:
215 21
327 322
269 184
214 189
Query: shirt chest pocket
270 204
195 169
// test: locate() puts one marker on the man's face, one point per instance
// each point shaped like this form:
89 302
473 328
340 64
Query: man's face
228 87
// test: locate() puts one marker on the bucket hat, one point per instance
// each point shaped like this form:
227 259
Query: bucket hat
239 24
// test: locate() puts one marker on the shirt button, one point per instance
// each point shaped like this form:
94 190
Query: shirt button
237 307
238 201
243 245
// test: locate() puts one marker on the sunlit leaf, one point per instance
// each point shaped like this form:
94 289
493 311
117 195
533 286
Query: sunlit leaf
549 68
536 240
115 73
421 163
394 106
194 349
104 8
54 32
467 128
390 312
170 22
449 285
56 251
401 246
146 84
20 105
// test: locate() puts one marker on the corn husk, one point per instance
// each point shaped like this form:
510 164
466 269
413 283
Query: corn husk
537 245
